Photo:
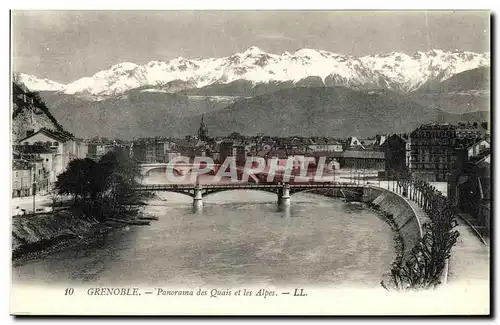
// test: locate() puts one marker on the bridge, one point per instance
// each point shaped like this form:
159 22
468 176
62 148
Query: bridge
178 168
349 191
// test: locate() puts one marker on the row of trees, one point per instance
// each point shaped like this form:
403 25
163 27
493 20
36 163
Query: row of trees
103 188
426 263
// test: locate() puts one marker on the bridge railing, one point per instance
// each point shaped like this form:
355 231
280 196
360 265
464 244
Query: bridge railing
152 187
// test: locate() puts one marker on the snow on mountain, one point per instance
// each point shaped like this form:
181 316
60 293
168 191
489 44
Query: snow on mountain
117 79
395 71
407 73
35 84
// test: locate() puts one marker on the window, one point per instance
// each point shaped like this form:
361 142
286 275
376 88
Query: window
26 143
56 144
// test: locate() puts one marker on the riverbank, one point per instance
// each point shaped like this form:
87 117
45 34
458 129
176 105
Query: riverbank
398 213
35 236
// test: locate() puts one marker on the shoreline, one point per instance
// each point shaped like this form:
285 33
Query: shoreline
388 218
41 249
81 230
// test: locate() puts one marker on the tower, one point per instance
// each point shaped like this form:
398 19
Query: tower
202 131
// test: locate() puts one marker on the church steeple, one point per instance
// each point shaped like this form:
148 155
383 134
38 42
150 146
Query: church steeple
202 131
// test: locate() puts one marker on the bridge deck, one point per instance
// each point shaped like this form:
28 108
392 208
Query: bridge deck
170 187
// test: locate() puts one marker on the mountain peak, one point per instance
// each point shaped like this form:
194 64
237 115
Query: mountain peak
253 50
37 84
124 66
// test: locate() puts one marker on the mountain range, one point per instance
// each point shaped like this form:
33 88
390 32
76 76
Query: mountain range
394 71
311 111
287 94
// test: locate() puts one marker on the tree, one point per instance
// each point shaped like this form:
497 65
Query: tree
54 197
120 173
79 179
102 188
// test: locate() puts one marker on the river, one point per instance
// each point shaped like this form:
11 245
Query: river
238 238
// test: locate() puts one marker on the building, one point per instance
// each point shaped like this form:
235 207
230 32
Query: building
40 158
435 149
22 179
226 150
397 153
372 160
477 147
63 147
149 150
202 131
96 150
469 188
324 145
353 143
155 151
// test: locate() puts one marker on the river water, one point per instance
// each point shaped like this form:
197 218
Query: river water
238 238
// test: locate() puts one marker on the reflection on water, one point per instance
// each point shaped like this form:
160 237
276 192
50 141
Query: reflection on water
239 237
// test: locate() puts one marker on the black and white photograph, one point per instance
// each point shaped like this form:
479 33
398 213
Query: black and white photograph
250 162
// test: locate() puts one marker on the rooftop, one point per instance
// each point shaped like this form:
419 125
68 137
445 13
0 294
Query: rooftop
61 136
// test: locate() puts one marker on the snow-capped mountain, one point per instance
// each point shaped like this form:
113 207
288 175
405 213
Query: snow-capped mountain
34 83
395 71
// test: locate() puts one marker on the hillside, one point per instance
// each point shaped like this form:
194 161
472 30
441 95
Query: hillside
29 112
475 79
135 113
335 111
465 92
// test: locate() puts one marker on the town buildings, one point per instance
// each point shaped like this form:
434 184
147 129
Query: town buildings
149 150
64 146
469 188
324 145
354 159
22 178
41 156
397 154
435 149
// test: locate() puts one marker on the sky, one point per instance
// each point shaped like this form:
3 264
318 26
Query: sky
67 45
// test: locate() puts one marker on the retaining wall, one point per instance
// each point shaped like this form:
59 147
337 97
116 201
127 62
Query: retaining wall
406 219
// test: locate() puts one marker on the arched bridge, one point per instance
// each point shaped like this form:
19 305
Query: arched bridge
349 191
179 168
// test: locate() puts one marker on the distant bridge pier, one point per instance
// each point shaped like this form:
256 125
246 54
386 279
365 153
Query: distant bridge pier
198 196
284 195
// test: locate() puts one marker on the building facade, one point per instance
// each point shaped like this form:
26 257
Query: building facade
324 145
22 179
435 149
469 188
51 152
369 160
397 153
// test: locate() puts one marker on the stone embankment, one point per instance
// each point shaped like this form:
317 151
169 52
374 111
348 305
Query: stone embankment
407 220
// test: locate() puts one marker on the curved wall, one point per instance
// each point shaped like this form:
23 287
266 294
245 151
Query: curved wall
405 217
